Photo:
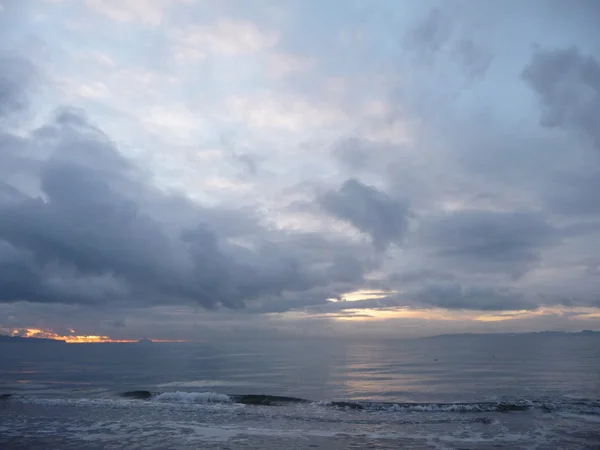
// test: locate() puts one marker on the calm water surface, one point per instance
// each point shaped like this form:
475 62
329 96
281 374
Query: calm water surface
528 391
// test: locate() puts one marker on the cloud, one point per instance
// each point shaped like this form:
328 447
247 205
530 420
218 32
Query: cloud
575 194
283 64
270 111
488 241
474 60
147 12
411 160
248 162
454 296
99 58
373 212
449 295
97 223
429 36
225 37
354 153
568 86
443 37
15 78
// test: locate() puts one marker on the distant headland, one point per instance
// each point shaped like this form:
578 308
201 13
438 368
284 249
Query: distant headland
532 333
30 340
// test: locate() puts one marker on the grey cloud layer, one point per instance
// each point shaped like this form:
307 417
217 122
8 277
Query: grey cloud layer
501 242
373 212
97 232
486 241
489 201
15 73
90 226
568 86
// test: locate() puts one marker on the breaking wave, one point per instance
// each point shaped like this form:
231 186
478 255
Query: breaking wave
192 397
590 407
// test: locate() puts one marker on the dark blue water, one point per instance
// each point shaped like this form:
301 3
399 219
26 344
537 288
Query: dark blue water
453 392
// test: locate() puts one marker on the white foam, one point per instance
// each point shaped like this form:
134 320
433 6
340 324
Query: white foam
167 400
192 397
204 384
322 403
74 401
435 408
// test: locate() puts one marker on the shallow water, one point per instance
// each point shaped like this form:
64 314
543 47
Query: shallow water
446 393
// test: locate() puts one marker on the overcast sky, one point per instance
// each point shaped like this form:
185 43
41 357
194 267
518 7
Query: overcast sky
186 169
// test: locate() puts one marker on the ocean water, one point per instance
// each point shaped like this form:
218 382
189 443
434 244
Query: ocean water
487 392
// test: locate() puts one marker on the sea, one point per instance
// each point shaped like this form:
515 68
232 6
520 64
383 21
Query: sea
528 391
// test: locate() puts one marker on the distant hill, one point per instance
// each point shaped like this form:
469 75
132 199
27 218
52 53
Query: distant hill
26 340
534 333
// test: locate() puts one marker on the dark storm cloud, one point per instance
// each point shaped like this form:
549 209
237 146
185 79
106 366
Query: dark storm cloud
575 194
568 86
92 234
373 212
429 36
489 241
247 162
420 276
15 75
334 267
435 35
455 296
473 59
490 159
80 224
88 224
19 277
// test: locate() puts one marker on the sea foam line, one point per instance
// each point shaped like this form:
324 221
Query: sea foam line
192 397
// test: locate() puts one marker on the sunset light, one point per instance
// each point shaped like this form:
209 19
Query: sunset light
370 224
75 338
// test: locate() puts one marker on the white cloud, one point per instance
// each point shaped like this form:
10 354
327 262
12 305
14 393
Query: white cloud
148 12
175 119
99 58
284 112
76 24
119 83
93 90
226 37
283 64
220 183
397 132
336 86
377 108
188 54
74 89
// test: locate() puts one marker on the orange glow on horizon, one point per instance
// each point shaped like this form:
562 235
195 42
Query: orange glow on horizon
364 294
508 315
386 314
440 314
78 339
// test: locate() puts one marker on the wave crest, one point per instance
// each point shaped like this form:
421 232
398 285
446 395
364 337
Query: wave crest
581 406
192 397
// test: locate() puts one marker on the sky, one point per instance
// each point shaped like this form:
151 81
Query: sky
199 169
